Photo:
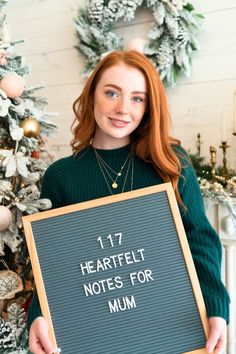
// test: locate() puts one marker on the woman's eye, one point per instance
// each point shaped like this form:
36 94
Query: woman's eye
111 93
138 99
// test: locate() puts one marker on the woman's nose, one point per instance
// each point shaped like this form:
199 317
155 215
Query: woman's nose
122 105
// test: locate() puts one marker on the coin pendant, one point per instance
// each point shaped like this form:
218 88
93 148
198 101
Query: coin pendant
114 185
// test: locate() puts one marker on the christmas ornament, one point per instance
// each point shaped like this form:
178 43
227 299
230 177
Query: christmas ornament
5 218
46 149
170 41
35 154
16 133
10 283
14 163
137 44
13 85
228 225
31 127
3 57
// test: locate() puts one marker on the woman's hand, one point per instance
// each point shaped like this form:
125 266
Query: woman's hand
217 336
39 342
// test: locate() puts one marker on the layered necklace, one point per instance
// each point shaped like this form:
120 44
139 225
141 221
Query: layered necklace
111 176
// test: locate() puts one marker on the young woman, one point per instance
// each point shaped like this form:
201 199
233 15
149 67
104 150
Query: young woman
121 143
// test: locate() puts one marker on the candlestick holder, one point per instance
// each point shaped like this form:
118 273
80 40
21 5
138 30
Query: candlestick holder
213 162
224 146
199 144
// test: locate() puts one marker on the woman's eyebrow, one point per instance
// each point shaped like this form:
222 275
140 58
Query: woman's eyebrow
119 89
113 85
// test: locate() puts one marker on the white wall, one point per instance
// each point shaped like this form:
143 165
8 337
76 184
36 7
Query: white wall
197 103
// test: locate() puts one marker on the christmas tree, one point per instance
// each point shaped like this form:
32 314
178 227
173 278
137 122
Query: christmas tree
23 147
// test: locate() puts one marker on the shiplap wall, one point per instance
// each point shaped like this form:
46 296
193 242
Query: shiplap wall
199 104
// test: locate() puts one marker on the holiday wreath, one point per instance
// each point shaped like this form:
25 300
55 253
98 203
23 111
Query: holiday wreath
171 39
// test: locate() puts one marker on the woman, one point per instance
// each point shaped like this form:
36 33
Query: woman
121 143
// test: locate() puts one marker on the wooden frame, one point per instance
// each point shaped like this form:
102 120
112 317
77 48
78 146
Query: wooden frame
166 187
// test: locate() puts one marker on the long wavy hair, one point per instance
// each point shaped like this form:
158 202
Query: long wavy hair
151 140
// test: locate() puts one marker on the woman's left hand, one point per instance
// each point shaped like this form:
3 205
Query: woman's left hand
217 337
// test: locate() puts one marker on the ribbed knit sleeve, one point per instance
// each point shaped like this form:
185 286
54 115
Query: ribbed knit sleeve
34 310
51 189
204 243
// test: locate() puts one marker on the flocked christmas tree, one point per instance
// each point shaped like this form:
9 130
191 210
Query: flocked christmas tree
23 133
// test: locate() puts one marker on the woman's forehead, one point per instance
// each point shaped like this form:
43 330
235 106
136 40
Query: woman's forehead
123 75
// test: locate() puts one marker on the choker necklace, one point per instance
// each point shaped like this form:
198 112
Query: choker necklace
107 170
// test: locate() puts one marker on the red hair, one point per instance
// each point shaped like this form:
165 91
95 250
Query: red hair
151 140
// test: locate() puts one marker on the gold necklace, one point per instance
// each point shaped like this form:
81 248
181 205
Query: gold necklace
104 166
131 161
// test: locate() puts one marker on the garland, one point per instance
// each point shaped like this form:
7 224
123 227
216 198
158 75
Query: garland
220 189
171 37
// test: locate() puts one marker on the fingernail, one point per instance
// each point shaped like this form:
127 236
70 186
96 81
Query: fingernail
56 350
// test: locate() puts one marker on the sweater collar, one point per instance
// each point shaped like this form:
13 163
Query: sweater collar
118 153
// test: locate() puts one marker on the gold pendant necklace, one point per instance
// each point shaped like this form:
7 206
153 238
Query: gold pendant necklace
106 169
103 165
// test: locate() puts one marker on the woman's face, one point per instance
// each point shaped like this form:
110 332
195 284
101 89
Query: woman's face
120 101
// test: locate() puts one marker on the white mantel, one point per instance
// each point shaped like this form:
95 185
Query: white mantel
220 220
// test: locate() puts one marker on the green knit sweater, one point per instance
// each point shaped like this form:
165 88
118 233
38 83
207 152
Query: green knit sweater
79 178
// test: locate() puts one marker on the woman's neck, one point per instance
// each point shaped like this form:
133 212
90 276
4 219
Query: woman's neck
109 144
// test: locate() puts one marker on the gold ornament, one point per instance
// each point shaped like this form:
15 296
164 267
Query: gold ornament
31 127
10 283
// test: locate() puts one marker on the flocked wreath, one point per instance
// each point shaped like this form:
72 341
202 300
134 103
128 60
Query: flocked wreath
171 39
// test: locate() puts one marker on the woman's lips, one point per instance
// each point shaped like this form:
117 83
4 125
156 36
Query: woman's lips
118 123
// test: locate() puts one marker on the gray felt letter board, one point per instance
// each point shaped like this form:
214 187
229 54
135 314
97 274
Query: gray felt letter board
115 275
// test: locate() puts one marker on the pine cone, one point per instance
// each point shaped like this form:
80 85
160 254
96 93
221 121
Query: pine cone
130 7
111 11
165 54
95 11
172 25
182 38
151 3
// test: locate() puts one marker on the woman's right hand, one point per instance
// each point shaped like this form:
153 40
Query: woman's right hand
39 342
